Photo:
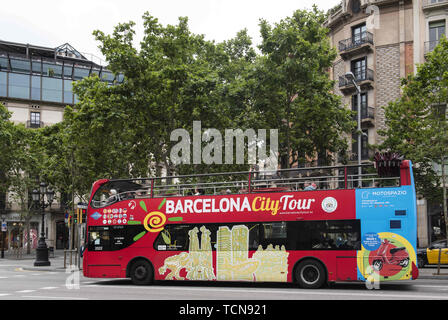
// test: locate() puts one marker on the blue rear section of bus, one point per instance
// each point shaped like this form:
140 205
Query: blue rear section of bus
391 214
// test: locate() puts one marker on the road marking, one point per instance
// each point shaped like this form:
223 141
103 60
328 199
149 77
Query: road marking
4 294
3 277
25 291
428 286
48 288
380 294
58 298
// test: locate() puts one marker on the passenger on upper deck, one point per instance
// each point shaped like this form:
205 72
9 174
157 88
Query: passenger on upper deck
309 186
198 192
113 196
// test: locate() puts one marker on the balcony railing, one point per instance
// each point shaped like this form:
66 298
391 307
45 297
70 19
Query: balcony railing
34 124
355 42
367 75
367 113
366 154
430 45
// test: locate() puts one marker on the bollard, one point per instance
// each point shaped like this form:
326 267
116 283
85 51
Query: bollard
72 254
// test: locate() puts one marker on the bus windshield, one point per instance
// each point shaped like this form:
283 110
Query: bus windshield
114 191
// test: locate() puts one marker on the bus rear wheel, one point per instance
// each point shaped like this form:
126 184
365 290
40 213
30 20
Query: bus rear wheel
141 272
310 274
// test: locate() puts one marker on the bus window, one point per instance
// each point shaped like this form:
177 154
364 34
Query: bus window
112 238
99 239
111 192
174 237
274 233
325 235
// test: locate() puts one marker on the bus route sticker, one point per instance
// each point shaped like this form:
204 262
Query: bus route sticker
371 241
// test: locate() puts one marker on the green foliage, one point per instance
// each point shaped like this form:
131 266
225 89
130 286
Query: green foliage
417 124
176 77
294 90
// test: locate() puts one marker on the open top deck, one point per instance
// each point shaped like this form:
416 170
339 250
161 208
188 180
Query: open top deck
106 192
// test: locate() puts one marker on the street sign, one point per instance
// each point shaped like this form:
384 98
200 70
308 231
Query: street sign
82 205
4 227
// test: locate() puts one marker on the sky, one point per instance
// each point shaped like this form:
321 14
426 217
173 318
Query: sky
50 23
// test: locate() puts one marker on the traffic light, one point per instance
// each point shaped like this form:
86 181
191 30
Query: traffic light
83 215
80 215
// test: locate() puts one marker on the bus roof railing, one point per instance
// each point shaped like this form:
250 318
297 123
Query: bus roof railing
282 180
199 175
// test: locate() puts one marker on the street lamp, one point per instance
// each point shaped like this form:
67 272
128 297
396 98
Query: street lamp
351 77
39 200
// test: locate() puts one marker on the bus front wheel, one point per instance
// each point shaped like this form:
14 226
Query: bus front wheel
310 274
141 272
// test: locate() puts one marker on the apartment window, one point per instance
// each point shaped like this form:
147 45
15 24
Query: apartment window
80 73
35 119
359 68
36 66
35 87
356 6
52 89
436 30
359 33
68 94
364 144
363 102
3 81
19 85
20 65
52 70
4 65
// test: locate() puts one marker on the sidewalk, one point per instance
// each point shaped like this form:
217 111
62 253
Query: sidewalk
430 273
27 260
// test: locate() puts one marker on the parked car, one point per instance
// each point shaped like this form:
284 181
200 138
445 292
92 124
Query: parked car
430 255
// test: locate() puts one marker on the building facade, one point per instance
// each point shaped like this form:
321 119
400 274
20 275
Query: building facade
35 86
381 42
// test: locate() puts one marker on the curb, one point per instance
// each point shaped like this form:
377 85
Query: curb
435 277
57 269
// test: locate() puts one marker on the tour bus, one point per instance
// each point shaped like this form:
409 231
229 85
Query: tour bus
309 226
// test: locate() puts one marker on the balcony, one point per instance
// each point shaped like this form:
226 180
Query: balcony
363 79
434 4
367 116
34 124
356 45
366 154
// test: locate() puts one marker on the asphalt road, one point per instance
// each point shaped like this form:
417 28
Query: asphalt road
17 283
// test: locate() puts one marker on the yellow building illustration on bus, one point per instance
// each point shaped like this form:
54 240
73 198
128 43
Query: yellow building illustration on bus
232 258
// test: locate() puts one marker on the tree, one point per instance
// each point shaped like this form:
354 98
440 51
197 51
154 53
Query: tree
294 91
174 78
417 125
6 145
24 172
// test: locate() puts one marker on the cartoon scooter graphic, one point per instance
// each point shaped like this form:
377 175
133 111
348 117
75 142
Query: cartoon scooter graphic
387 254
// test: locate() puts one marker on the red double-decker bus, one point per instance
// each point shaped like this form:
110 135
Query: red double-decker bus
309 226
